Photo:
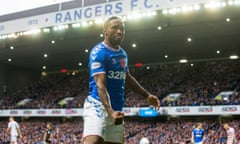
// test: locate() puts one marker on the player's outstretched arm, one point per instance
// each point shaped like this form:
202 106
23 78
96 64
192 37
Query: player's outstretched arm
100 80
132 83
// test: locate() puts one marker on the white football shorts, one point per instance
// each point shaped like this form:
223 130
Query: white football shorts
14 138
97 122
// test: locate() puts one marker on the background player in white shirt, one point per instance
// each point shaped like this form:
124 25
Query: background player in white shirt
231 137
14 130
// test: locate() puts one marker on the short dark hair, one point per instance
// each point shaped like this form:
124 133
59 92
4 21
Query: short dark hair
106 23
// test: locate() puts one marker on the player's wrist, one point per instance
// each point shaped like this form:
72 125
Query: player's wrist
110 111
147 95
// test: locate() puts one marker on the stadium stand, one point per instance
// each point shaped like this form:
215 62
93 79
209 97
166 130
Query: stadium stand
160 79
198 85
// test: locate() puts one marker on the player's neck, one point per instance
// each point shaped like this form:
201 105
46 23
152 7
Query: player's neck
108 44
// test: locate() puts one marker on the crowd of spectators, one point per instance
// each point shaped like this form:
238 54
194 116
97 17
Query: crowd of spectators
198 85
46 93
176 131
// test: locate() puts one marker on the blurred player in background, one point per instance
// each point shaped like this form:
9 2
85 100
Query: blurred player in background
108 64
14 130
198 134
231 137
48 135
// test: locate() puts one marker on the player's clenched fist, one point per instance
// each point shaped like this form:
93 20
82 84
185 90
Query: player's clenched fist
117 117
153 100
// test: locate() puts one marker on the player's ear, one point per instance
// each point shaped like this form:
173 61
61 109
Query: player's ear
104 32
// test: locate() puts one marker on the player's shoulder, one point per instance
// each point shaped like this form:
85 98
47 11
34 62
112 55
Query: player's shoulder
98 53
98 48
122 49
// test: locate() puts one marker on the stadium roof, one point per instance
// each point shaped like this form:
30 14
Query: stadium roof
201 35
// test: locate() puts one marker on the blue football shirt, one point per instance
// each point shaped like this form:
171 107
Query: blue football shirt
113 63
198 135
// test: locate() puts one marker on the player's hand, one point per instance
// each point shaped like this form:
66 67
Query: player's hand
117 117
153 100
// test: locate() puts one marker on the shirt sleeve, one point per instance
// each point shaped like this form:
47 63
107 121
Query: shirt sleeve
97 62
17 125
